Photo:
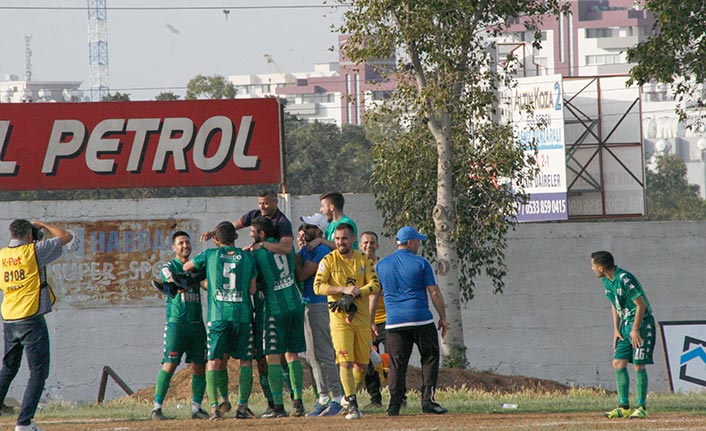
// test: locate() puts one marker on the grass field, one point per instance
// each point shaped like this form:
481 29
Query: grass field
577 409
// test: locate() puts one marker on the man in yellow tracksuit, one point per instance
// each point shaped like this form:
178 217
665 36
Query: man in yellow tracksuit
348 278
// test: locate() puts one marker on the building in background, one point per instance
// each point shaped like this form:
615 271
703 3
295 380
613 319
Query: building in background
16 90
333 93
592 39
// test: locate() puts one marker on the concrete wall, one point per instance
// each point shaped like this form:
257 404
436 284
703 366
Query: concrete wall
552 322
129 338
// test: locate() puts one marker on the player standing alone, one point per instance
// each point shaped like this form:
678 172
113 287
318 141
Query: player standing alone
633 332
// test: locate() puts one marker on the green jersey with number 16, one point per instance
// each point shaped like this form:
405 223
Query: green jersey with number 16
229 271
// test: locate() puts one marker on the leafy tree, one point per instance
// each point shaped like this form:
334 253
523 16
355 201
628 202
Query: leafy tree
675 53
669 195
117 97
321 157
210 87
440 174
167 95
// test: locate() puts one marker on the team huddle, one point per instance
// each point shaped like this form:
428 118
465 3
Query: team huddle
268 304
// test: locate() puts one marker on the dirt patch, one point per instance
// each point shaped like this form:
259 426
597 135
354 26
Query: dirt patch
180 387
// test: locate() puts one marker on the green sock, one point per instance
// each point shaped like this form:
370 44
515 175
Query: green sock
275 378
296 376
622 381
212 387
223 384
198 387
641 386
265 384
245 384
161 386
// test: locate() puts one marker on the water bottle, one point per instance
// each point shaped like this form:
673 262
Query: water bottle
508 406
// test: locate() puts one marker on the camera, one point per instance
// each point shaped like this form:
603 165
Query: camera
37 233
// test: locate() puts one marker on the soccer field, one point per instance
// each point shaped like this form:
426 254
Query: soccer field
583 421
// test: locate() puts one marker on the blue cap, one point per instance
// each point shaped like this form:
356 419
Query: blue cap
407 233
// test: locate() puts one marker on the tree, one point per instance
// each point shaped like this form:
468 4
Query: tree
675 53
669 195
166 95
210 87
320 155
440 173
117 97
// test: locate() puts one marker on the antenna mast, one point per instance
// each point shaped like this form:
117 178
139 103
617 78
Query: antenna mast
97 49
28 58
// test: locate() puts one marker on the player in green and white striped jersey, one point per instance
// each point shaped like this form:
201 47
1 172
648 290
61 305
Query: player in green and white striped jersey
231 275
284 316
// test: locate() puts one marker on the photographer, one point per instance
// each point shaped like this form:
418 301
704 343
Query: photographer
27 298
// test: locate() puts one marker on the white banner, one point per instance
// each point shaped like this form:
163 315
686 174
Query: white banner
685 354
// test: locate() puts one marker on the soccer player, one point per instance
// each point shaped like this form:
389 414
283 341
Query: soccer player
332 208
267 207
406 279
317 331
369 245
231 276
342 272
633 332
183 333
284 317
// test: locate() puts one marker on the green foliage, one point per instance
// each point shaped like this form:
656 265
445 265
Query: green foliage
324 156
457 358
167 95
210 87
675 52
669 195
117 97
439 146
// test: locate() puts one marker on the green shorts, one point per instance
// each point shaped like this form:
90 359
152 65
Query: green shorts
232 338
643 354
182 337
285 333
258 325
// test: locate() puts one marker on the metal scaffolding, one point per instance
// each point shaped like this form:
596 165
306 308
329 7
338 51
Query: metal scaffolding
98 48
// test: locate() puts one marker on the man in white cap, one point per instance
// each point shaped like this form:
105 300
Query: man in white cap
406 278
320 354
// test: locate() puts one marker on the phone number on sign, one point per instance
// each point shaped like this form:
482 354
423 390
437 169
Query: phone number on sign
544 206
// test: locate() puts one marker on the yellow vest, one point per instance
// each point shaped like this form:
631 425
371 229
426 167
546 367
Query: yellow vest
20 282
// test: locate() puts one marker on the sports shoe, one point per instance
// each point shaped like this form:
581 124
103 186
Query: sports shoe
639 413
224 407
617 412
298 408
215 414
354 413
156 415
242 412
199 414
30 427
267 412
345 405
318 409
333 409
434 408
277 412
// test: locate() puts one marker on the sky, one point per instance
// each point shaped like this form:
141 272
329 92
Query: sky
161 49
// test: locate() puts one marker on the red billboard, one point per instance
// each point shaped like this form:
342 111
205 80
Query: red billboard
62 146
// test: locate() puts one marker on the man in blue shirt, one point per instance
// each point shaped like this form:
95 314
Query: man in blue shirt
320 354
406 278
